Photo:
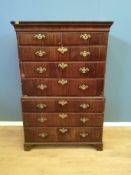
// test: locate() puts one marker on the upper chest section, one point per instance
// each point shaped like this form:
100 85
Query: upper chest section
62 33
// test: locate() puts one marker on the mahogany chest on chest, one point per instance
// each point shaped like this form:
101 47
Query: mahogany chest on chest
62 68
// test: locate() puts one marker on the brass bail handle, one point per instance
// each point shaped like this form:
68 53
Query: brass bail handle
40 53
62 50
62 82
40 36
62 102
43 135
84 53
42 86
85 36
83 87
40 69
63 130
42 119
84 106
62 65
63 115
84 135
41 106
84 70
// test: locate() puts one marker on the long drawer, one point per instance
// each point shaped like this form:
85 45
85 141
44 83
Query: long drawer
62 119
62 38
68 105
80 53
55 134
62 87
61 69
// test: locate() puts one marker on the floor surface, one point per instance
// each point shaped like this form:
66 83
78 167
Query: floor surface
114 160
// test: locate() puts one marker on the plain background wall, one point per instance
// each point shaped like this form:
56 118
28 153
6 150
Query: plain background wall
118 74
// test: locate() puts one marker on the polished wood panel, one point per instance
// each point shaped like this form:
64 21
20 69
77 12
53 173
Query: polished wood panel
71 134
74 38
94 70
53 87
52 53
50 38
52 105
62 119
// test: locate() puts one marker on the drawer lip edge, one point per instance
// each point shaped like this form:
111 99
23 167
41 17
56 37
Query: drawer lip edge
57 98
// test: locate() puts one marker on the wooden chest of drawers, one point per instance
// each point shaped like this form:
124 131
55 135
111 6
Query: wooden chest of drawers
62 68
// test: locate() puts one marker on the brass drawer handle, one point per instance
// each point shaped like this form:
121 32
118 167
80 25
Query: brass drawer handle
40 69
42 86
63 130
62 65
84 120
62 102
84 106
41 106
84 70
62 50
62 82
84 53
42 119
43 135
84 135
63 116
85 36
39 36
83 87
40 53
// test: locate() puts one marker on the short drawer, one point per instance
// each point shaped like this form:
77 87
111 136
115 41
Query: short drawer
62 87
62 70
84 38
68 105
62 119
60 134
89 53
39 38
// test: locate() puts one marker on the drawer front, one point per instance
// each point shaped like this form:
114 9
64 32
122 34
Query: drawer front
84 38
32 53
62 70
53 134
64 38
62 87
53 105
62 119
36 38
